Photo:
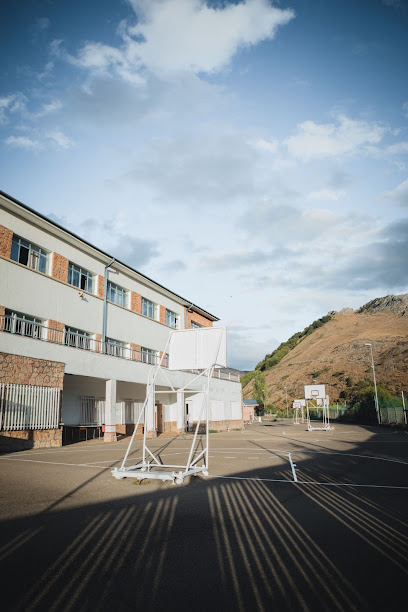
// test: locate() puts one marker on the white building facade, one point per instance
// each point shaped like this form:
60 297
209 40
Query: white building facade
78 322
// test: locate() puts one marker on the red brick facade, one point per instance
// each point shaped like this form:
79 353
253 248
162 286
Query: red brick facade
59 269
19 370
162 314
55 331
100 285
135 302
199 319
137 351
6 238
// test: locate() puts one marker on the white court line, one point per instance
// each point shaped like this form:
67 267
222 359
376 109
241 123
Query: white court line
56 463
308 482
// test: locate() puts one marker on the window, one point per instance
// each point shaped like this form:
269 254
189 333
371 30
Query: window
28 254
77 338
115 347
117 294
171 319
195 325
148 308
148 356
20 323
78 277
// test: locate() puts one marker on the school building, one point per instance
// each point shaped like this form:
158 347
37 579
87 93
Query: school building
79 334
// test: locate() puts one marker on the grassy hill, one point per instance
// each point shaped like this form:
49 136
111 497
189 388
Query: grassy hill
334 353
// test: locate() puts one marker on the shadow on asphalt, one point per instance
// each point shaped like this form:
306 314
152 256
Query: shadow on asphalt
225 544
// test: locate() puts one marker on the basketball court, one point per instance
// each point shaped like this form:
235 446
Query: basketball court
287 517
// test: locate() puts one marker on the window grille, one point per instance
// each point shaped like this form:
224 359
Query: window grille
92 411
130 411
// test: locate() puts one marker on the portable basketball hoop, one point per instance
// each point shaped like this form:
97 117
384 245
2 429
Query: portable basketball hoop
298 405
316 398
199 350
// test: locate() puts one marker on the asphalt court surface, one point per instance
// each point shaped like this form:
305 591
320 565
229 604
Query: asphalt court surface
255 533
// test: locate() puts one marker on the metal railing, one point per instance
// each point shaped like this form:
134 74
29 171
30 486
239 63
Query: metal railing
29 407
82 341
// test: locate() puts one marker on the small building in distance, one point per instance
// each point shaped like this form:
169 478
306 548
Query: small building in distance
248 409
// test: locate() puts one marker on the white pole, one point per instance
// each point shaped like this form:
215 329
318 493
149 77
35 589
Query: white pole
375 384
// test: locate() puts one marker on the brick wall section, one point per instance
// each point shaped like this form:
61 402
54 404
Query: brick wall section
100 285
19 370
2 320
162 318
137 349
98 342
199 319
6 237
135 302
59 268
55 331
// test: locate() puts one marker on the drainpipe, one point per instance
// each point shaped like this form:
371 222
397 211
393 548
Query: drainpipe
105 305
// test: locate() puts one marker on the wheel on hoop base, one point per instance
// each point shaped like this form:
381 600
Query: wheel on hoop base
179 480
205 472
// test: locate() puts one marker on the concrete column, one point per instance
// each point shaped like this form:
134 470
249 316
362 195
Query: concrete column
181 413
110 411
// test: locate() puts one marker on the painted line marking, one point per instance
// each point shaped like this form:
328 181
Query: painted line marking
56 463
309 482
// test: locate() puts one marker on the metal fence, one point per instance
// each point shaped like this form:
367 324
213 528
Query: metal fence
393 415
29 407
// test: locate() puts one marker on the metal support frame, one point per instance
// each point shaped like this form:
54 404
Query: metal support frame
151 466
325 415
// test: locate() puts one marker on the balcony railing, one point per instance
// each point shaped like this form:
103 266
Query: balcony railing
24 327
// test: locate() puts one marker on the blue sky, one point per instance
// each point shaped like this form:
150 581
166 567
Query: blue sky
251 156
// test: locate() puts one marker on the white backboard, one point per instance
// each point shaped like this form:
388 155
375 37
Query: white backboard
298 403
315 391
197 349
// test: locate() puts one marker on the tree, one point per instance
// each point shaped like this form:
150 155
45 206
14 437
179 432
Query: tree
259 387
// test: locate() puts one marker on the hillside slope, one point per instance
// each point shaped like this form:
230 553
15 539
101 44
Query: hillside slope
335 352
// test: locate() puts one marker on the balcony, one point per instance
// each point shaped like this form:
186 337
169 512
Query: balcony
31 328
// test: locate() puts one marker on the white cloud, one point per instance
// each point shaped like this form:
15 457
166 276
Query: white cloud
400 148
345 137
267 145
182 36
399 194
24 142
11 104
60 139
325 194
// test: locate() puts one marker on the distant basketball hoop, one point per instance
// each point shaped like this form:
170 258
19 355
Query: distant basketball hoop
316 400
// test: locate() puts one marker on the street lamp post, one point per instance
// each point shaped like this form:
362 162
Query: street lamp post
287 411
375 384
